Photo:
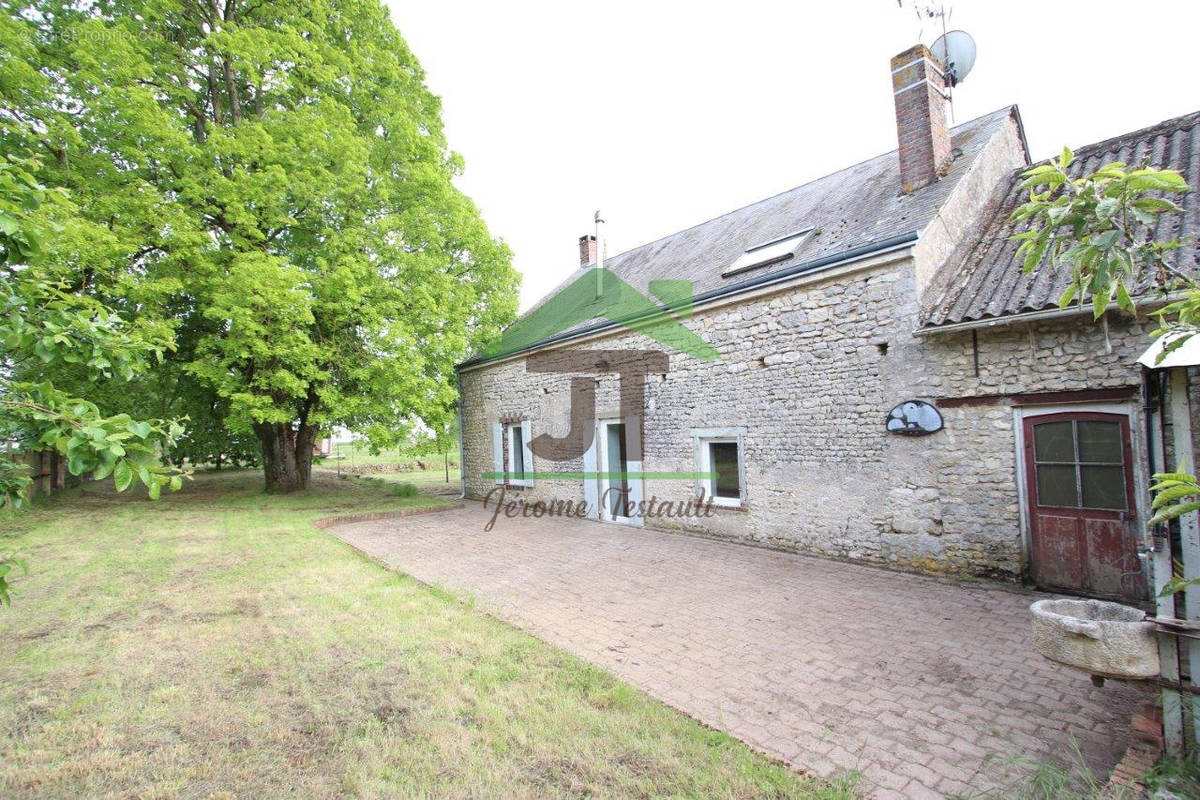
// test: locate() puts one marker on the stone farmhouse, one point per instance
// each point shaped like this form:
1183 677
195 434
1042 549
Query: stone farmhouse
890 284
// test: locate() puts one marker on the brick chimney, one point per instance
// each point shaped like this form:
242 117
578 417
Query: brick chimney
919 87
587 250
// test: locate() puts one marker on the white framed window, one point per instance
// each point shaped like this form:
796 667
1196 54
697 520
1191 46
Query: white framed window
720 452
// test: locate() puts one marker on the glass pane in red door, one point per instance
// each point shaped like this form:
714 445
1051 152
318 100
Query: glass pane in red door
1103 487
1053 441
1056 485
1100 442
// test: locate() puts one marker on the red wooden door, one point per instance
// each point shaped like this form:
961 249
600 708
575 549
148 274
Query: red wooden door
1079 481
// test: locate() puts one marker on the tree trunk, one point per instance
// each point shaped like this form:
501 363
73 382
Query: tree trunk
287 456
235 103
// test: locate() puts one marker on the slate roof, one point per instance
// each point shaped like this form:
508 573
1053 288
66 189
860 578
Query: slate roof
989 283
852 208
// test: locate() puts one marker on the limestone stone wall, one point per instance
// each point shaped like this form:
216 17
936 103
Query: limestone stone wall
977 457
810 373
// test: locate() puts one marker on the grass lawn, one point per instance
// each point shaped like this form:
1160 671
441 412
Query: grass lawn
215 644
431 481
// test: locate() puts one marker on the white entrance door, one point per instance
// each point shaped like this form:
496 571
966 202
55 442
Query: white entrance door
620 490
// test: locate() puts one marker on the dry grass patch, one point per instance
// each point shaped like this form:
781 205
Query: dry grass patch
215 644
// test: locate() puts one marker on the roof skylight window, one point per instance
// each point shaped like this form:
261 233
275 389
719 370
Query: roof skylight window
772 252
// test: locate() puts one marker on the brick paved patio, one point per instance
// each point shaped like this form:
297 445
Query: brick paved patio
828 666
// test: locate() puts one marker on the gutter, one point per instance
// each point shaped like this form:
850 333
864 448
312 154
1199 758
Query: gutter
836 259
1035 316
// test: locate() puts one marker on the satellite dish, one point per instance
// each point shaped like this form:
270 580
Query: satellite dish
956 51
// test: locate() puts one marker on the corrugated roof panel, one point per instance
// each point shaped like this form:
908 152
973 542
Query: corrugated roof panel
989 281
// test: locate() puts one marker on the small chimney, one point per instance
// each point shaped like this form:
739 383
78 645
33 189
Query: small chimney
919 88
587 250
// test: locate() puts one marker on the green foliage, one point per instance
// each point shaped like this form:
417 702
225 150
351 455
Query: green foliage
41 322
271 180
1172 493
117 445
8 563
417 439
1173 777
1098 226
209 439
396 489
1177 584
1175 494
403 490
1065 775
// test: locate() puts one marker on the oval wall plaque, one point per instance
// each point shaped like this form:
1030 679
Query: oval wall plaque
914 418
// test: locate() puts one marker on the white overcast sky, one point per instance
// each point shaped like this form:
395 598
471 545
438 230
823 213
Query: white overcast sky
666 114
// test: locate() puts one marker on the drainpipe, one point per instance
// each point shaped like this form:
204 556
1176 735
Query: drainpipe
462 440
1149 408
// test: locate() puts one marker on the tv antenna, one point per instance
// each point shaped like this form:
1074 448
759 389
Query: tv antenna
599 254
955 49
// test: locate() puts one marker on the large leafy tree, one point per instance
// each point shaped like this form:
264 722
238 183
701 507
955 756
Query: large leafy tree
274 178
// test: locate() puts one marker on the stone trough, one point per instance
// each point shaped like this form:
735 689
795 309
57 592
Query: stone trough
1106 639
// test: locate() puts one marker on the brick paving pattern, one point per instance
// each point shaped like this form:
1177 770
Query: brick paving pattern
927 687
